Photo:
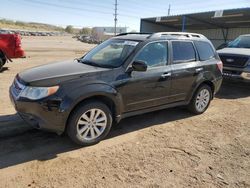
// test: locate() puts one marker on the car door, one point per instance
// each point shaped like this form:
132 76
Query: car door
149 88
185 69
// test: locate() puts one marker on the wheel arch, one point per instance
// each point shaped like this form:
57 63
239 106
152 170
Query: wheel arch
210 84
203 82
3 55
113 105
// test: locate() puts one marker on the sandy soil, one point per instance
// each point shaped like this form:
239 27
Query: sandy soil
168 148
39 50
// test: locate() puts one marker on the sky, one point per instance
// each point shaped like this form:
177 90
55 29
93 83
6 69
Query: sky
90 13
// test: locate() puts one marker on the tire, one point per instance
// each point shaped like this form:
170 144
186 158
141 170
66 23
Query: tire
2 62
80 122
197 106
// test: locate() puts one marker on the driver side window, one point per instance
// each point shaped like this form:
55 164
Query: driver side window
154 54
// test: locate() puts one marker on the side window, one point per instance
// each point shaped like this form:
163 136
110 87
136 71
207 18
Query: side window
183 51
154 54
205 50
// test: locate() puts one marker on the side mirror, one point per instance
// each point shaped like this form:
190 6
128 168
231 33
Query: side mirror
140 66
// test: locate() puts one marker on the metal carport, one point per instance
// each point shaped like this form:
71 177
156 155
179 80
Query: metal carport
219 26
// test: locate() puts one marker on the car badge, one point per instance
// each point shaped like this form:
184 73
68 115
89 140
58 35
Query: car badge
229 60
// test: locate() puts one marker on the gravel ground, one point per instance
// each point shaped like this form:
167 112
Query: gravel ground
168 148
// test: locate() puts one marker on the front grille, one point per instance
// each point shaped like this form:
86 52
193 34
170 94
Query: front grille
228 72
17 88
234 61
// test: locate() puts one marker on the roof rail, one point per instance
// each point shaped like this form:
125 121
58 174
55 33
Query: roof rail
182 34
134 33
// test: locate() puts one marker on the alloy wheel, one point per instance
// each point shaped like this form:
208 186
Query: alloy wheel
91 124
202 100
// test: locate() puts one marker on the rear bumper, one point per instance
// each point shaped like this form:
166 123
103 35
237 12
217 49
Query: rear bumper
217 84
41 115
19 53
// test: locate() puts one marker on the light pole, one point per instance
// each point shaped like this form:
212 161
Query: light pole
115 16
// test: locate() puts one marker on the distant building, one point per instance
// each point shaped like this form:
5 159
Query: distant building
102 33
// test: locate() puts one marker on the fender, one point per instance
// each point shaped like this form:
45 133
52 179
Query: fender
77 95
3 54
202 77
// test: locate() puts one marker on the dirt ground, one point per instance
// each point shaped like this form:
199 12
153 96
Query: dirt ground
168 148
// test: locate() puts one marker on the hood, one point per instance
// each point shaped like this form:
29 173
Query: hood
55 73
235 51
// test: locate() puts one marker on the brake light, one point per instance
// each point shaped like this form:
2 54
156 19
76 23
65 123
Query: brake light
18 41
220 66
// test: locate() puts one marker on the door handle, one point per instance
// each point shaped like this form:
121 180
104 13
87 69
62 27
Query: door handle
164 75
198 70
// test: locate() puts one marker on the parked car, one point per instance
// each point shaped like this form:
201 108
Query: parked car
236 59
87 39
10 47
127 75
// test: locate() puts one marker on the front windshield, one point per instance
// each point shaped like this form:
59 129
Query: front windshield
110 54
240 42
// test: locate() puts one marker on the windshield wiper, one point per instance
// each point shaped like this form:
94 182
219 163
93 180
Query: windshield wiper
87 62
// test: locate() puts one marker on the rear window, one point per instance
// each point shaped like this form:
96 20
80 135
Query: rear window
183 52
205 50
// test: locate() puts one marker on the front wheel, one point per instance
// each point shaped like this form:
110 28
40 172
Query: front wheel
200 100
89 123
2 62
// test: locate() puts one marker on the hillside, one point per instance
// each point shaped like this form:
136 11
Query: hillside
9 24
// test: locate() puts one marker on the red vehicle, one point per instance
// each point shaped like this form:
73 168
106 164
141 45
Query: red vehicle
10 47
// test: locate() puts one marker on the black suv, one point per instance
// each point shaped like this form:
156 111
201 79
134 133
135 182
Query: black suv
126 75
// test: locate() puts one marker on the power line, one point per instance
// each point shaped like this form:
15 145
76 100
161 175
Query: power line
59 10
160 7
124 11
65 7
131 15
90 4
74 8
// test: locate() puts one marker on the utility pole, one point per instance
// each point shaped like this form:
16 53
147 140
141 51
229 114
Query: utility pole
115 16
169 8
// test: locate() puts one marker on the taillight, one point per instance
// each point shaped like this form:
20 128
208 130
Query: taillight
18 41
220 66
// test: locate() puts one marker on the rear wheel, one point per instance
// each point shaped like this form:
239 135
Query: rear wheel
90 123
200 100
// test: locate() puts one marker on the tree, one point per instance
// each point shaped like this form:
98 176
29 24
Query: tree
133 31
69 29
85 31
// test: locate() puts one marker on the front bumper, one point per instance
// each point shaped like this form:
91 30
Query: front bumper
237 74
43 114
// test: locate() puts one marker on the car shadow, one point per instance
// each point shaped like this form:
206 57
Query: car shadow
8 118
233 90
33 144
23 144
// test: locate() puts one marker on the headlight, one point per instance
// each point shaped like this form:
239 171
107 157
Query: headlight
35 93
